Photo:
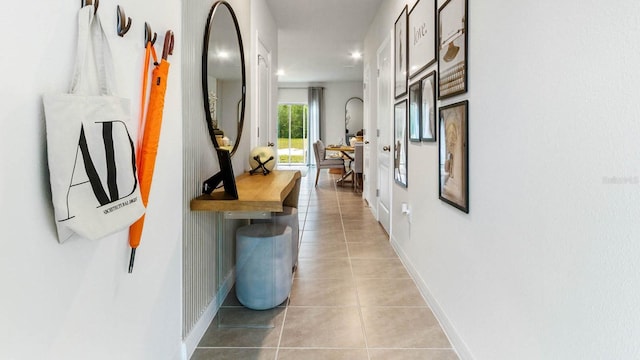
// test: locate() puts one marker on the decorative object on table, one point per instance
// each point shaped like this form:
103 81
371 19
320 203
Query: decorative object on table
400 60
400 143
428 107
150 137
422 36
262 159
414 111
452 54
454 155
94 187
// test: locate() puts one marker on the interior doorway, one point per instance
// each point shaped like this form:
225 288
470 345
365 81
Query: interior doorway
293 134
384 135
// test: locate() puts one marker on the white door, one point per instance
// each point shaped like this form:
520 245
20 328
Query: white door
263 87
383 145
366 169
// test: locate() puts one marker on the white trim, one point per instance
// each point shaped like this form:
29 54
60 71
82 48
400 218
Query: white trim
191 341
459 346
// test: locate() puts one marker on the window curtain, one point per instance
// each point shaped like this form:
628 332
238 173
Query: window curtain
316 103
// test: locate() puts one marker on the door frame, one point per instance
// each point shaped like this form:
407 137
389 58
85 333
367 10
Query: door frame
383 213
262 137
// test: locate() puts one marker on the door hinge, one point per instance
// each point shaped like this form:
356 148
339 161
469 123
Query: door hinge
377 132
378 72
377 192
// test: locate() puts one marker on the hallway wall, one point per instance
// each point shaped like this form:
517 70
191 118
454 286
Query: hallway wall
545 264
336 94
76 300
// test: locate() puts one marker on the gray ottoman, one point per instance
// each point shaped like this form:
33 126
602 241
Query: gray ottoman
263 265
288 216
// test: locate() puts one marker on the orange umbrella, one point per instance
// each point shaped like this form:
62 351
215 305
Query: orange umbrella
151 136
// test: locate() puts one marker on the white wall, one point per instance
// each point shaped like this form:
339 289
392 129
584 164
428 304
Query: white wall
264 29
545 264
293 95
77 301
336 95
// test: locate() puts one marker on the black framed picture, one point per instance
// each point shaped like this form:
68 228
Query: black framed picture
452 48
400 54
422 36
453 155
428 107
400 143
414 111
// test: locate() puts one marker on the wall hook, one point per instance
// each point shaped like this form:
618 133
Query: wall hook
124 22
84 3
147 35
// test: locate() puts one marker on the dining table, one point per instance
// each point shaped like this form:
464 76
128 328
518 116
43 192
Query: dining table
346 152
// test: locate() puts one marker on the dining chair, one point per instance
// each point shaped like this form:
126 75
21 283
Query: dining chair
358 166
322 162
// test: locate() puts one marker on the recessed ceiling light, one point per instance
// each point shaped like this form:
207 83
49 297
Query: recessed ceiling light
356 55
280 72
223 54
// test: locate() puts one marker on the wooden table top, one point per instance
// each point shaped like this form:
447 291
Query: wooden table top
255 193
340 148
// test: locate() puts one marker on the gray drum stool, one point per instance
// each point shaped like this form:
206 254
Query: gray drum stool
263 265
288 216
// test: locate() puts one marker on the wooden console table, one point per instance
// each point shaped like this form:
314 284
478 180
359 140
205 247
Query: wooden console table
256 193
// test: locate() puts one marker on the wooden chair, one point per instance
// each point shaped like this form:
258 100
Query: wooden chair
322 162
358 167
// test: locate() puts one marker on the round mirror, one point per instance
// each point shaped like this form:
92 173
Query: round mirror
353 118
223 77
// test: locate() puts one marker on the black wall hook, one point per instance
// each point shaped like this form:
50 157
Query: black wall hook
124 22
84 3
147 35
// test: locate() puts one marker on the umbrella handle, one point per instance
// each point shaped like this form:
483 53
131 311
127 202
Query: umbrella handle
167 48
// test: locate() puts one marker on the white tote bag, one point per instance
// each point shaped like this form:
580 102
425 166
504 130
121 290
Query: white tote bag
94 185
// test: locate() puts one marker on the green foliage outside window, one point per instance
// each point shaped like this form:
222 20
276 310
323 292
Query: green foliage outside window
298 131
292 133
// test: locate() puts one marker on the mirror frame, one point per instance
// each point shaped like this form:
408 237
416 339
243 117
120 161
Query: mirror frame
205 84
346 108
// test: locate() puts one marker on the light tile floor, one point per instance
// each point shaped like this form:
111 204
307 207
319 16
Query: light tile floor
351 299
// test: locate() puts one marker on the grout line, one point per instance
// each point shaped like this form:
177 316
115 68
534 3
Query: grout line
293 275
353 277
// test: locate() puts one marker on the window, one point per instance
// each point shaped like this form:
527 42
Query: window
293 134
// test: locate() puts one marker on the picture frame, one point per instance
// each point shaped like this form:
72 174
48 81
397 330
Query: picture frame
400 61
453 155
415 105
400 168
452 48
422 36
428 131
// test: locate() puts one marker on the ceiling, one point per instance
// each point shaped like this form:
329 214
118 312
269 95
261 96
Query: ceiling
317 37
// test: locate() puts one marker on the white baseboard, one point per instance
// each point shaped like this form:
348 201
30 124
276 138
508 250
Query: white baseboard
191 341
456 341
